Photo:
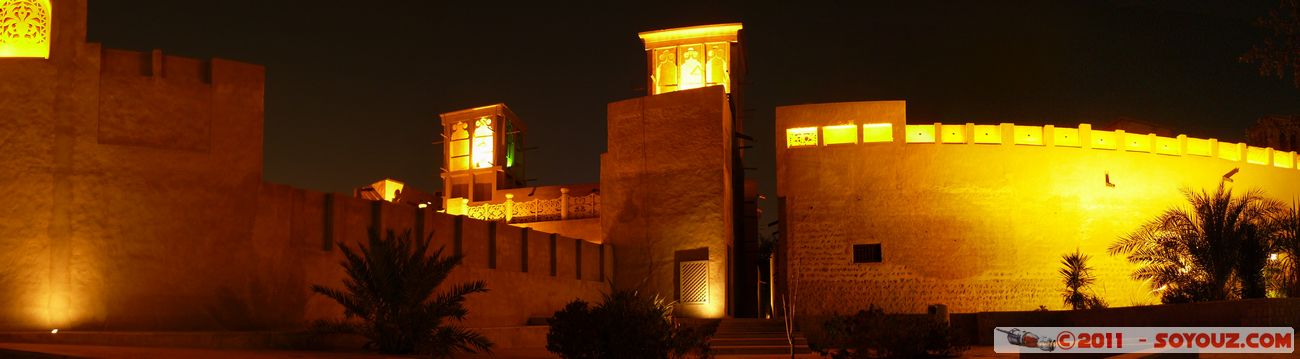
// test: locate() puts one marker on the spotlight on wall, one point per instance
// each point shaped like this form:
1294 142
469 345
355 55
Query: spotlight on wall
1228 176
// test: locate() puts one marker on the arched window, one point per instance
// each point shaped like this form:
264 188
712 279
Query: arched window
483 142
459 156
25 28
718 73
665 70
691 69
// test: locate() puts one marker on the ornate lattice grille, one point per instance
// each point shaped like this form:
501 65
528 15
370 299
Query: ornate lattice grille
25 28
488 212
694 282
584 207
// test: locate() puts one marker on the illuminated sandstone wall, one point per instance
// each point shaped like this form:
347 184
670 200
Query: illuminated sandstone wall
977 217
292 253
666 192
134 201
123 170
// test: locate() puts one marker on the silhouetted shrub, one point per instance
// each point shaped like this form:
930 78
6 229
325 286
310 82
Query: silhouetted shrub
872 334
625 325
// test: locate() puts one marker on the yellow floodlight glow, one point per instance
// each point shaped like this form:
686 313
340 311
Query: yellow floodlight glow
878 132
1229 151
1029 135
840 134
388 188
25 28
1065 137
722 31
800 137
1257 155
920 133
1167 146
952 133
989 134
1284 159
1137 143
1103 140
1199 147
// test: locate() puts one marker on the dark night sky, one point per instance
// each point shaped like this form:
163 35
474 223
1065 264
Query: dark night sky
353 89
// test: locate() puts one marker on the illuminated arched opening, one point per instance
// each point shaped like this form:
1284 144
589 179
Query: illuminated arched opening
665 70
692 69
718 73
25 28
483 151
459 156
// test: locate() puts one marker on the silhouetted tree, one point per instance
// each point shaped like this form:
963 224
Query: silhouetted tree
1196 253
1252 258
1286 246
390 288
1279 53
1077 277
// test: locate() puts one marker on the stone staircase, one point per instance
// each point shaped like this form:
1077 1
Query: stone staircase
756 337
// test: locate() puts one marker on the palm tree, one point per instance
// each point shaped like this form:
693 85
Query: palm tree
1285 257
1077 277
1198 253
389 288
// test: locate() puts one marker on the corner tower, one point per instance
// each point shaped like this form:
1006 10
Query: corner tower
669 179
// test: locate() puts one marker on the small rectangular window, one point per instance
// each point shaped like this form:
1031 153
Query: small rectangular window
920 134
990 134
1029 135
694 281
840 134
1065 137
952 133
878 132
800 137
866 253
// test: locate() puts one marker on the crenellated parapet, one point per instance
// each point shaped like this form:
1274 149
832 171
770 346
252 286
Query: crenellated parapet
1008 134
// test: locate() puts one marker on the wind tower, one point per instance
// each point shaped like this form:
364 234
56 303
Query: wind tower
671 179
482 153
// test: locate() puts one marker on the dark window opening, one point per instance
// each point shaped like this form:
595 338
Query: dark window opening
866 253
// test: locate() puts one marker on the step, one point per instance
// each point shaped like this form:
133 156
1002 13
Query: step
753 330
765 325
758 350
756 335
730 342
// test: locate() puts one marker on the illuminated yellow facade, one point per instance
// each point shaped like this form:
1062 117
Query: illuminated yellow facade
388 188
980 224
691 57
25 28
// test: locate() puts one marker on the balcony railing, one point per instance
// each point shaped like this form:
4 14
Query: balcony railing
537 210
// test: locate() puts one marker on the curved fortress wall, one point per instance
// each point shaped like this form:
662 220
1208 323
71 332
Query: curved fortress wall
977 217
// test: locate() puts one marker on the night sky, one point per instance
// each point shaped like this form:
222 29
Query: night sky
354 88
